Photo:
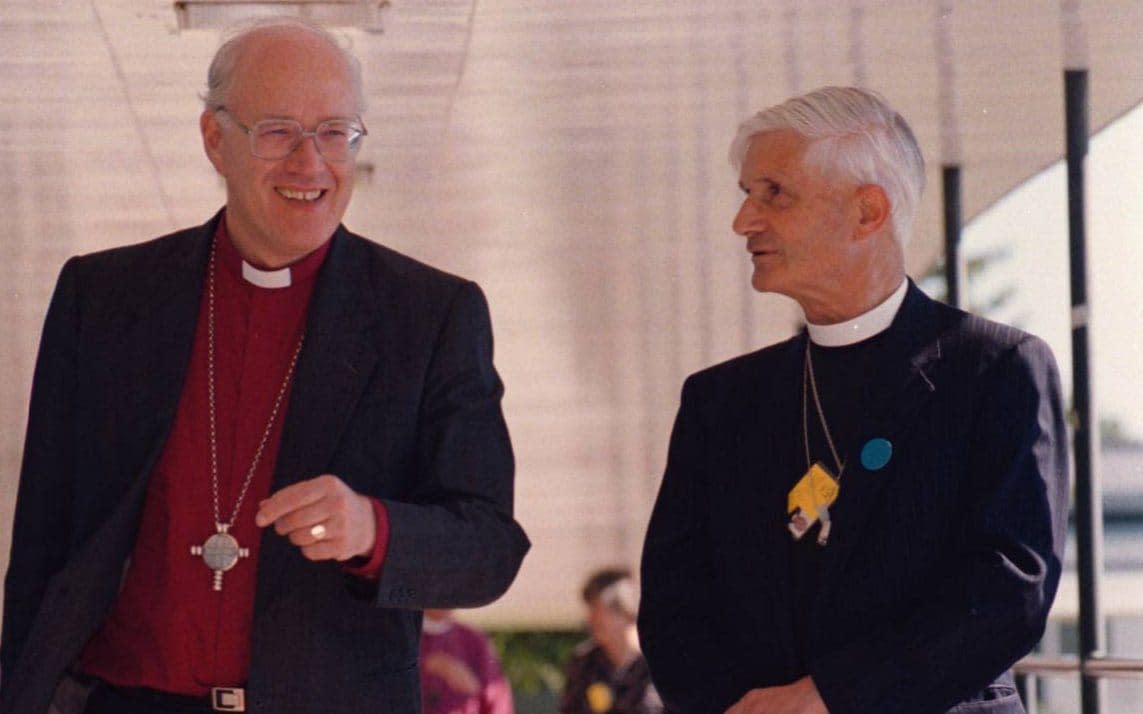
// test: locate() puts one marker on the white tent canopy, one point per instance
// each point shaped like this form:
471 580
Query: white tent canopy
570 157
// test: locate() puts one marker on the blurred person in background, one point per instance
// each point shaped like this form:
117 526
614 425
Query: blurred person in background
608 673
460 673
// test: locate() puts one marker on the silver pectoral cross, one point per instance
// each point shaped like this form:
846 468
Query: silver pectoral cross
220 552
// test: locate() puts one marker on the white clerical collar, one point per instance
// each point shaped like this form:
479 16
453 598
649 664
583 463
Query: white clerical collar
266 278
861 327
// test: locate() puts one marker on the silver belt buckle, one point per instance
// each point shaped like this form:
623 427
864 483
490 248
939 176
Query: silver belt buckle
228 699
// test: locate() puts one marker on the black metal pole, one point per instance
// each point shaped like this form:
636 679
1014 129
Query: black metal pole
1088 493
950 178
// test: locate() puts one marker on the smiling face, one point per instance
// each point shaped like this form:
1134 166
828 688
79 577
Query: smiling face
798 224
279 211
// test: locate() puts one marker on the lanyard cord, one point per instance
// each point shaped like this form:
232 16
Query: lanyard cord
810 384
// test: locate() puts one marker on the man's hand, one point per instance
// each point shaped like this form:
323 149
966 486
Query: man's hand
800 697
348 527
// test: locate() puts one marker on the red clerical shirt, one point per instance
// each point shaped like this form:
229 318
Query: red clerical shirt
169 629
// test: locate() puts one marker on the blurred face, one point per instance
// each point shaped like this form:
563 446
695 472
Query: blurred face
606 625
797 223
277 211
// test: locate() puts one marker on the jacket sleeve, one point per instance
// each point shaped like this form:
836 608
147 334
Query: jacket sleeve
40 535
454 542
991 604
679 637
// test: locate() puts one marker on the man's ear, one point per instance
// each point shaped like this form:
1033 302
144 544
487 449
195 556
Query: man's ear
874 209
212 139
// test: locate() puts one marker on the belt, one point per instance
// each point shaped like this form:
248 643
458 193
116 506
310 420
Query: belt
138 699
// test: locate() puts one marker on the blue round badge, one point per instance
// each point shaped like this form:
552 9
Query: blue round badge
875 454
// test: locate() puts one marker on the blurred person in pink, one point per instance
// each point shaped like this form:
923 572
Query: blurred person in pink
460 673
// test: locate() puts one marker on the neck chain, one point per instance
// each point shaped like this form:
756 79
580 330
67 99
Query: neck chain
822 486
810 385
221 551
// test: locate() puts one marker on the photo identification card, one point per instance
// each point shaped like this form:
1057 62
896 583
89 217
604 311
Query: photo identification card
810 499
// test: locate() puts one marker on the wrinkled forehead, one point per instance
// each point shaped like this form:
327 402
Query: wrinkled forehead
774 154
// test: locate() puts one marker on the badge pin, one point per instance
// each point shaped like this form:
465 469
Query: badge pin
876 453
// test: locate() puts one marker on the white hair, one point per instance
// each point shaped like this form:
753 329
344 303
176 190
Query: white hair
853 134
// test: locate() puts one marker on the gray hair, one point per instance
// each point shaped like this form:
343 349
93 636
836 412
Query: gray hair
221 71
854 134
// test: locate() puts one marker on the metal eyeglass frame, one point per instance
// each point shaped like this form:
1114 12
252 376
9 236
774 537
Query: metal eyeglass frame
354 142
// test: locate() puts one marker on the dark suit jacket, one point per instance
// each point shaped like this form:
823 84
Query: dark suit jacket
941 566
395 392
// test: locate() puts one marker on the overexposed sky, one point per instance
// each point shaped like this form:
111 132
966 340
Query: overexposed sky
1032 223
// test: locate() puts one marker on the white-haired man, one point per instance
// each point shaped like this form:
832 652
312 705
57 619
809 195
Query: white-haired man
870 516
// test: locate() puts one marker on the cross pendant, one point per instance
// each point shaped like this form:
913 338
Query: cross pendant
220 552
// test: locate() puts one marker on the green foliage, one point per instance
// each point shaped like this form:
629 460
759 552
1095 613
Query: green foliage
534 660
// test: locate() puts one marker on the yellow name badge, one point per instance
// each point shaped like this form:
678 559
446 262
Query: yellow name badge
810 499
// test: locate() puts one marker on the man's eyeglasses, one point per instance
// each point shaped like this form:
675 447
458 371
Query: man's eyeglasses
274 139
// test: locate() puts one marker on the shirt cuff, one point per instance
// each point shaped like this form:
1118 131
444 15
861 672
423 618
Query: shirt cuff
370 568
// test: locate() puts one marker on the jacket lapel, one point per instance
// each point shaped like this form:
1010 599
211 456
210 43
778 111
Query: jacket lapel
768 462
916 347
337 359
158 337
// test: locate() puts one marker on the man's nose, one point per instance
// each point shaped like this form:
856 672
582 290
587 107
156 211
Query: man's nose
748 219
305 155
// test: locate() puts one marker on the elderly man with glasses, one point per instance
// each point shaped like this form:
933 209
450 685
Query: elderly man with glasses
256 448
